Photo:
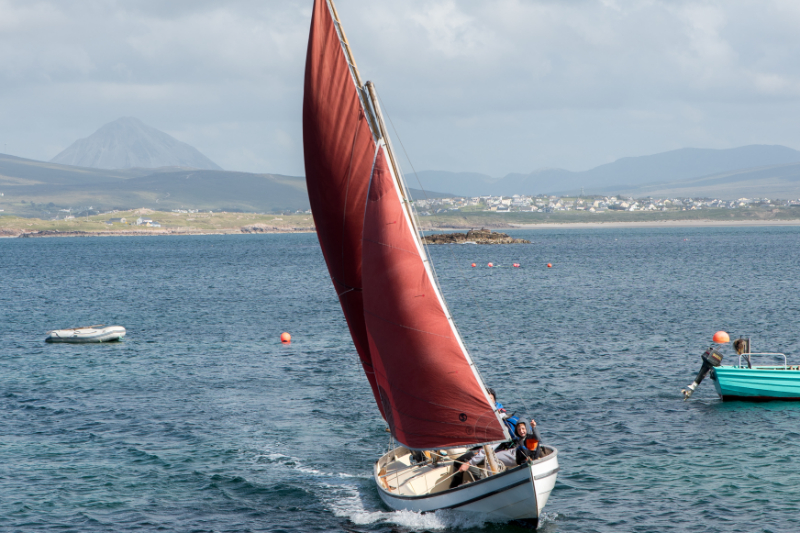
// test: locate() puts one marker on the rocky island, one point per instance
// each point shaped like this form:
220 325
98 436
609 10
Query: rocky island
477 236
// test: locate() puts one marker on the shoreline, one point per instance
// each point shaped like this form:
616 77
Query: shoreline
659 224
12 233
44 234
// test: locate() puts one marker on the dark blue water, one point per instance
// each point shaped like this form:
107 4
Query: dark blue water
202 421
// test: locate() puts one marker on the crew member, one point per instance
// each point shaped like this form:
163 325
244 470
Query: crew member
505 452
529 448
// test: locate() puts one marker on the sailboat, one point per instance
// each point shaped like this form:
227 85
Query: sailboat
425 384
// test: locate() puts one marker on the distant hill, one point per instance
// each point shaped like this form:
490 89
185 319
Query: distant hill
626 174
36 188
217 190
456 183
128 143
776 181
417 194
688 163
17 171
31 187
39 184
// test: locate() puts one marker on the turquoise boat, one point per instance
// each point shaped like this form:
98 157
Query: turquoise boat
746 381
758 383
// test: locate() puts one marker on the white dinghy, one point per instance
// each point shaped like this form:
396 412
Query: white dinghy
426 386
87 334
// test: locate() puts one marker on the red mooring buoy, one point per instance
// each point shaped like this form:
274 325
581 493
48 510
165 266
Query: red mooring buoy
474 265
549 265
286 338
490 265
721 337
516 265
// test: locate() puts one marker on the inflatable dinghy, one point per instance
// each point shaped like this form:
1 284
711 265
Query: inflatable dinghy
97 333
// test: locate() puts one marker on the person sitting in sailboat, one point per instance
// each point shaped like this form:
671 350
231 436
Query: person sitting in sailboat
528 448
510 420
506 452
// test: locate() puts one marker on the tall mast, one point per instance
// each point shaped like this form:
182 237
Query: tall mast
369 96
351 61
370 87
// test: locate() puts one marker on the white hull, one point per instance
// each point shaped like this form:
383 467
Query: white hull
86 335
516 494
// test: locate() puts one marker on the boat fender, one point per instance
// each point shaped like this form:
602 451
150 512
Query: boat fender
711 358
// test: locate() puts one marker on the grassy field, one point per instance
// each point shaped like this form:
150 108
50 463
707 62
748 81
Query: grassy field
171 223
186 223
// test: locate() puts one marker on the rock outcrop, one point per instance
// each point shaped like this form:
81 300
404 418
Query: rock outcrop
478 236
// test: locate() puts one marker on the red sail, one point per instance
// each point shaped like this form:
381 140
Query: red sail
432 396
339 150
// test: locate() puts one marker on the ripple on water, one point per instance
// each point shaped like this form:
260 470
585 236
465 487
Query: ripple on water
200 420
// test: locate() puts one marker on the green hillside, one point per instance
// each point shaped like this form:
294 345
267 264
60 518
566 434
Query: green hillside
37 189
20 172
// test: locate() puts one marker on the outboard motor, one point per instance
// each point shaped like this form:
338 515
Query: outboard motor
711 358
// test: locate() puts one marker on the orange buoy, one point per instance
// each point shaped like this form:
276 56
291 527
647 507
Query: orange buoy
516 265
721 337
474 265
490 265
549 265
286 338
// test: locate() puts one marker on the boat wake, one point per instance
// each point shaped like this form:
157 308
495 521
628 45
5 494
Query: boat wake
297 464
353 497
353 508
547 518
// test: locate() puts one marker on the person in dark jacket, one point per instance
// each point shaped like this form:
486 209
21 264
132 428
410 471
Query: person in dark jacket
529 448
505 452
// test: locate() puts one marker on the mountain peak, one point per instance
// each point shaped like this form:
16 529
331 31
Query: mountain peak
127 143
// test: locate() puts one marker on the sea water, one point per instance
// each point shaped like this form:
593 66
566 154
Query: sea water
201 420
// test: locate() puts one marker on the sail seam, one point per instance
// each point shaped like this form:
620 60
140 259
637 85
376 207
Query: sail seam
412 252
407 327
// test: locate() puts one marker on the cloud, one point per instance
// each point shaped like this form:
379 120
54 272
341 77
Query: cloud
495 87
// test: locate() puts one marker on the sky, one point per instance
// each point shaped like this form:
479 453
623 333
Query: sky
489 86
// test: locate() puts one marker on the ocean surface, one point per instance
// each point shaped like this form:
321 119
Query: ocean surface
201 421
